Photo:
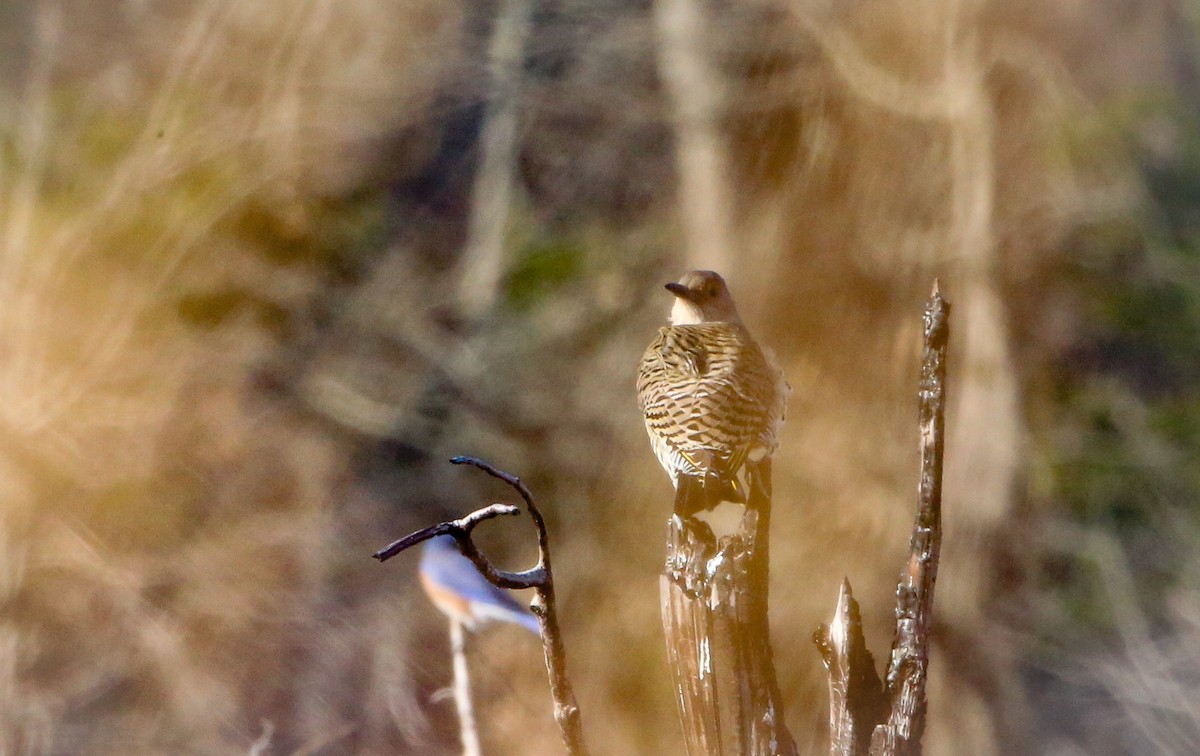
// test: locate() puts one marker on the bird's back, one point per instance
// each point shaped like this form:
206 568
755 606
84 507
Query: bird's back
710 397
444 570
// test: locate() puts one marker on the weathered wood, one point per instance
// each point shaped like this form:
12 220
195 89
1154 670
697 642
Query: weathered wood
715 610
856 700
889 720
688 624
908 668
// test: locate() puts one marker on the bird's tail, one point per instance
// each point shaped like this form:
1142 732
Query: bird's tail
529 622
697 493
518 615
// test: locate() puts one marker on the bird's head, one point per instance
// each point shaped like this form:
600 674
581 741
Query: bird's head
701 296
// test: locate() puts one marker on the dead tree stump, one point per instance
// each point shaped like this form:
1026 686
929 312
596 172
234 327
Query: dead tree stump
714 602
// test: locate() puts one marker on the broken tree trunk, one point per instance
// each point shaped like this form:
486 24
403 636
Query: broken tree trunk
865 715
714 603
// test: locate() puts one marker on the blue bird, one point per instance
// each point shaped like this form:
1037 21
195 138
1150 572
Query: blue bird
462 593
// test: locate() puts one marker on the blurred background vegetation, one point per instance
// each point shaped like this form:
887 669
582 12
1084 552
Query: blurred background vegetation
265 266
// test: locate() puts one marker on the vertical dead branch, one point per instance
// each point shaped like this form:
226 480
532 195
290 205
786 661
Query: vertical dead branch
462 691
908 668
715 618
540 578
566 711
864 715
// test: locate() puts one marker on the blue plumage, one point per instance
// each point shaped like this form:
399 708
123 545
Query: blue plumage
458 589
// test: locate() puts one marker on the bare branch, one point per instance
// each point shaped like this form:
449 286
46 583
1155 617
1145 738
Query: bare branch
892 720
908 668
534 513
540 578
460 530
566 711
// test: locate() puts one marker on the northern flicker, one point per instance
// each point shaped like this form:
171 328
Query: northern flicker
713 400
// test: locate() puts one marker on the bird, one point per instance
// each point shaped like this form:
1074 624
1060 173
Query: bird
712 398
456 587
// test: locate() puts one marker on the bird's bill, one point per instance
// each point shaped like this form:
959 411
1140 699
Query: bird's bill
679 290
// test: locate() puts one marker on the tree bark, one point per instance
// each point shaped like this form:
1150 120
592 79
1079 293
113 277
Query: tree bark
715 618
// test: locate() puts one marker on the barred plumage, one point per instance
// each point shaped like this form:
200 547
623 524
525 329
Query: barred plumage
712 399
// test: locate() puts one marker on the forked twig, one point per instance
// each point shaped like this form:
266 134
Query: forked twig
887 719
540 578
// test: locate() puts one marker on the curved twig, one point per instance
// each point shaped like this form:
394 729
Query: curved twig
566 711
460 530
540 578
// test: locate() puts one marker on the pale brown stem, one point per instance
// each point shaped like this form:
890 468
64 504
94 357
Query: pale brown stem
462 691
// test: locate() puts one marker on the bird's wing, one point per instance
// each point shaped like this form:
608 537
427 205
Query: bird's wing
452 571
516 614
